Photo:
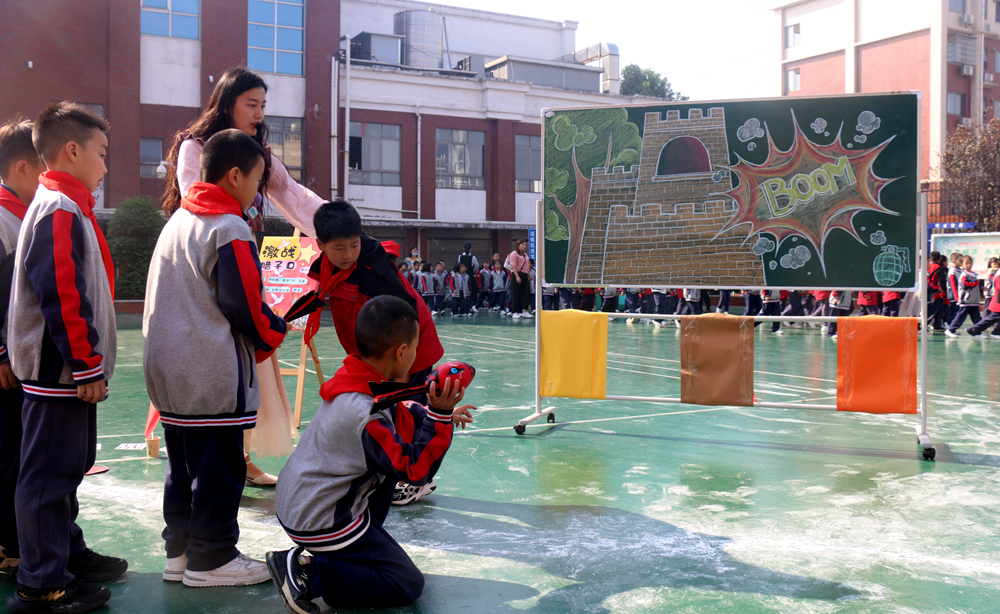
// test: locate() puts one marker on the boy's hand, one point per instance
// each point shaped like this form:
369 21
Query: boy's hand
446 399
462 415
94 392
7 379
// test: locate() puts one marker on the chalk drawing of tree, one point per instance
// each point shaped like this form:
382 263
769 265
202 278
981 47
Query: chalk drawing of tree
576 142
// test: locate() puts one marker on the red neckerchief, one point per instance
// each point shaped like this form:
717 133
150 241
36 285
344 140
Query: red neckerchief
10 202
210 199
72 188
354 376
329 278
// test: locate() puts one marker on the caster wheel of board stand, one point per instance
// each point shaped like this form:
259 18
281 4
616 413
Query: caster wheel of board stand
929 453
519 429
551 419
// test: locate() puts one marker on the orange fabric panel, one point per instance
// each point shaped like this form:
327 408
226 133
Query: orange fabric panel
877 365
717 360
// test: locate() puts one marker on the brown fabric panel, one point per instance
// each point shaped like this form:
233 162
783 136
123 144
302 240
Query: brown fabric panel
717 360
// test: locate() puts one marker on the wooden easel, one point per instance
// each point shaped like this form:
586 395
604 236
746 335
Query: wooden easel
300 371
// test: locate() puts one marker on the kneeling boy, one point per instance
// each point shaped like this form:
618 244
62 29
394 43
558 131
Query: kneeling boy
334 493
204 320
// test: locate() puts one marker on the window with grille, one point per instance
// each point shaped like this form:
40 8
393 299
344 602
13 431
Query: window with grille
528 163
150 155
374 158
459 159
275 36
174 18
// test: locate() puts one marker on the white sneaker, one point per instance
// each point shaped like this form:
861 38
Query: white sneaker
677 323
516 316
718 310
778 332
174 570
241 571
823 328
629 320
949 333
994 336
525 314
475 310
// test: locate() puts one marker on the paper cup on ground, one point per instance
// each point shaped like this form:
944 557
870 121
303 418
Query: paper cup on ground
153 447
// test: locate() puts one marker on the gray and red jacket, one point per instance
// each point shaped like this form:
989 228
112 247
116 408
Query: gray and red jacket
205 325
62 305
12 211
349 449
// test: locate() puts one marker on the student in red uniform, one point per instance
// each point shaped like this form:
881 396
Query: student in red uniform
20 167
357 268
937 276
969 297
890 303
63 354
868 303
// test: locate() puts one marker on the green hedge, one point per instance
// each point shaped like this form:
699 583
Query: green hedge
132 233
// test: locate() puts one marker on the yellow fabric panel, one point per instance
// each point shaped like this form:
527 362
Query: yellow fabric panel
717 360
574 354
877 365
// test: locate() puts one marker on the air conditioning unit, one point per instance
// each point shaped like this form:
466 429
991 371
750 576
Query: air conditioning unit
988 77
967 19
968 70
966 121
987 27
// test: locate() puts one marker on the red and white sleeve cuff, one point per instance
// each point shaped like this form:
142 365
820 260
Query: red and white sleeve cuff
89 376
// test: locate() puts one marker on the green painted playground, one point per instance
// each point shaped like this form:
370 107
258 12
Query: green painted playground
634 507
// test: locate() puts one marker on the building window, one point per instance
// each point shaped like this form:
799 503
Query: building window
275 36
956 104
284 135
956 6
793 80
374 158
996 60
792 36
460 159
528 163
176 18
996 109
150 156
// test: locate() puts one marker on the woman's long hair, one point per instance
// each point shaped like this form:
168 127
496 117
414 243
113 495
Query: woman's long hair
215 117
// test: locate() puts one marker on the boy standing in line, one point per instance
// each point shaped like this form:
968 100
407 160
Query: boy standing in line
63 354
19 171
204 287
969 297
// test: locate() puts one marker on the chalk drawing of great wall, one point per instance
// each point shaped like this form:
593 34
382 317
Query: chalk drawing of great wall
657 222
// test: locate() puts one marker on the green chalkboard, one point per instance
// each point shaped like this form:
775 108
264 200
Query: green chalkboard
804 193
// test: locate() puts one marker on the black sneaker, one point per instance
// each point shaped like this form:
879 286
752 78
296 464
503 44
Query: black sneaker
71 598
88 566
292 579
405 494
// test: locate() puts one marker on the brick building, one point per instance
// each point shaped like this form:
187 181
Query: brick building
433 130
949 50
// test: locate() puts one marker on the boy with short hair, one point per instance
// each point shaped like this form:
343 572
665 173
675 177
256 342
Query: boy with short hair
334 493
63 354
204 287
20 167
968 298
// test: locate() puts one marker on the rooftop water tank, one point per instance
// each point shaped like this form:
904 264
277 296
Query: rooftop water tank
422 32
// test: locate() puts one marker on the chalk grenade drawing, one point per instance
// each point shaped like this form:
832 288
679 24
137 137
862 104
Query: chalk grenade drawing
762 246
868 122
796 258
877 237
819 125
890 265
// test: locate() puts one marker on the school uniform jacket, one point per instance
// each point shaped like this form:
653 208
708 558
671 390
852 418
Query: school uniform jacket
348 451
458 284
869 299
375 274
498 280
12 211
205 325
969 294
484 278
62 303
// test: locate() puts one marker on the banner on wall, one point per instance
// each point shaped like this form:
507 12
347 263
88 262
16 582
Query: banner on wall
804 193
980 245
284 267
